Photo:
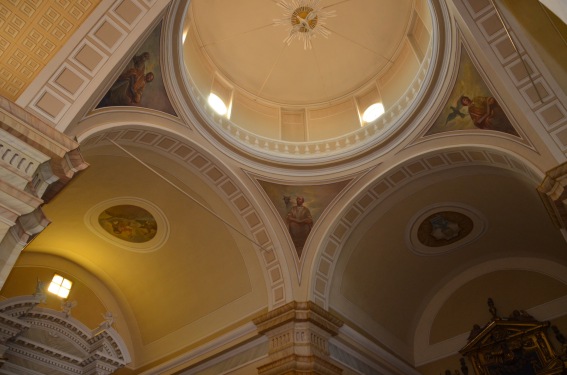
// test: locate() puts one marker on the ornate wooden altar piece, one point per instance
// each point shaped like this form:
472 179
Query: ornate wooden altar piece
517 345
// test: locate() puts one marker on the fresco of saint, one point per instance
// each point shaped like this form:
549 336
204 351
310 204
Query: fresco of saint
299 222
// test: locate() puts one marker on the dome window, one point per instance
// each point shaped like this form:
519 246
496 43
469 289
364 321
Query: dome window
217 104
373 112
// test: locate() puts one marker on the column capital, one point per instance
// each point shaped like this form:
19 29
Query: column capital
299 334
36 162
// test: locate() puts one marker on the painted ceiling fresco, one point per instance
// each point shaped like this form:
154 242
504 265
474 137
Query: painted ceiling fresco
471 104
301 206
141 82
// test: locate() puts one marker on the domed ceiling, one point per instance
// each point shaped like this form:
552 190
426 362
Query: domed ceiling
302 71
248 47
186 294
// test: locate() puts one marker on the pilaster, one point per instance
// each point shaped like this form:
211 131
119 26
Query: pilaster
36 162
299 334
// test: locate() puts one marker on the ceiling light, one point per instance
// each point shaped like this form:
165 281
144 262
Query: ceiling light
373 112
305 20
217 104
60 286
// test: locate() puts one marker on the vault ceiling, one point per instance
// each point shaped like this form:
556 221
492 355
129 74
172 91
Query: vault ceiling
224 253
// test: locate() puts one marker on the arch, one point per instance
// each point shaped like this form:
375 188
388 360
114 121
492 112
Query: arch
352 213
164 135
109 295
423 351
70 346
410 110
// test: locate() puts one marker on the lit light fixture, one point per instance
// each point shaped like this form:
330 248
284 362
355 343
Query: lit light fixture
373 112
60 286
305 20
217 104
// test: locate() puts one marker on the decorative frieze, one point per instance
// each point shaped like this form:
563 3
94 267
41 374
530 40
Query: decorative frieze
299 334
71 348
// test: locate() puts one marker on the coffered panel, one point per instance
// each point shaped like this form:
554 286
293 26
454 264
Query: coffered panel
31 32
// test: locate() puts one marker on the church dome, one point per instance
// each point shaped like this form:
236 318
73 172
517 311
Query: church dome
294 78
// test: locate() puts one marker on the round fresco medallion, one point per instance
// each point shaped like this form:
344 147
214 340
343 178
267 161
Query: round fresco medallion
444 227
129 223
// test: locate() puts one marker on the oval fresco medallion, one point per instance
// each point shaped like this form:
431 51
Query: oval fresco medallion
444 227
131 223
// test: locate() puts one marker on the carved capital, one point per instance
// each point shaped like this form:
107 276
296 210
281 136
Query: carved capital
298 336
36 162
554 195
299 311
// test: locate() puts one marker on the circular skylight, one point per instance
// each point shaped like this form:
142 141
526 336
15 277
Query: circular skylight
275 93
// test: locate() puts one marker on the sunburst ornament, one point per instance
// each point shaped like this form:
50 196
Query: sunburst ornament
305 20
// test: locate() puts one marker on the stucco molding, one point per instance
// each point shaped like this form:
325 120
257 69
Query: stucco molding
387 183
218 178
424 352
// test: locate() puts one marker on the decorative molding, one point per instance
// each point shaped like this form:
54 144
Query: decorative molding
91 220
298 334
356 351
217 177
424 352
209 350
521 67
247 354
388 183
33 32
72 348
36 162
554 195
414 243
65 88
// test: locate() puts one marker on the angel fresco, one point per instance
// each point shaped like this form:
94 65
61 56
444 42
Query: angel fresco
471 105
129 87
141 83
484 111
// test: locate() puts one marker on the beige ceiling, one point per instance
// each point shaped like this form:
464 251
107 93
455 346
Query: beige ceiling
31 33
382 277
246 48
532 288
375 52
202 270
207 279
